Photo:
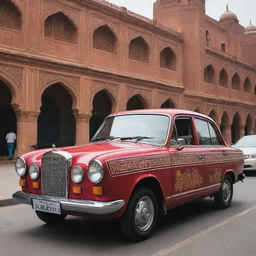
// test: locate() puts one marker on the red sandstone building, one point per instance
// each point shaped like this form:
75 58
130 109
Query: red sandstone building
66 64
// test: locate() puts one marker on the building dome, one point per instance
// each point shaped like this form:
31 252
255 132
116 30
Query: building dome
250 29
228 15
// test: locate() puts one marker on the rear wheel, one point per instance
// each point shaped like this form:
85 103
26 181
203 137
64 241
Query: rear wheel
140 218
50 218
223 197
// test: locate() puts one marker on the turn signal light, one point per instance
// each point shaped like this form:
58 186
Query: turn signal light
97 191
36 185
77 190
23 183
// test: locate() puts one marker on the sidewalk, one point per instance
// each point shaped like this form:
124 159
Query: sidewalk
9 182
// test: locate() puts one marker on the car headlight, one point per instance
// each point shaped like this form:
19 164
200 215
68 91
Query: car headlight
77 174
20 166
33 171
95 171
253 155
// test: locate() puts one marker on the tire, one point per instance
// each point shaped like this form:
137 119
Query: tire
140 217
223 197
50 218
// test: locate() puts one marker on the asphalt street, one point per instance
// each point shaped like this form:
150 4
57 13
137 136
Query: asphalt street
191 230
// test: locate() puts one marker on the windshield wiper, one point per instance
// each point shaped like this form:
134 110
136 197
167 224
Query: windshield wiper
137 138
104 138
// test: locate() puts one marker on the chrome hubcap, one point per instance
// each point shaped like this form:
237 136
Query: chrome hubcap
226 189
144 213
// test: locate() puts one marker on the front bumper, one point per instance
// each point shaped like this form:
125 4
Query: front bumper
74 205
250 164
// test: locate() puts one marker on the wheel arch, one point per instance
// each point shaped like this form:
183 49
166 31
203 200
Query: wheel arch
152 183
231 174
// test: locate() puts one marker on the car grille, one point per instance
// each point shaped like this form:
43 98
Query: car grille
54 174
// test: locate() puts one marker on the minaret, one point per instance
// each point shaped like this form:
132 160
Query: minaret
188 18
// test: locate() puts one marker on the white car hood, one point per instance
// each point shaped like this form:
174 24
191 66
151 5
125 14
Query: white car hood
248 150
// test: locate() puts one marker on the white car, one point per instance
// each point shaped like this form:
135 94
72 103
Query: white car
248 145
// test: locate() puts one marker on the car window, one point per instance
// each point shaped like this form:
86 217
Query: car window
207 135
182 129
214 135
203 132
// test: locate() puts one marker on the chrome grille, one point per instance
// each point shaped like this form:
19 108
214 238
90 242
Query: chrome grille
54 174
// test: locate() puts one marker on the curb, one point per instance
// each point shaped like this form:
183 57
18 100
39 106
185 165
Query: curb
8 202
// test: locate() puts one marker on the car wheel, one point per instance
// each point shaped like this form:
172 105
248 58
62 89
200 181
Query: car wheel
223 197
50 218
140 217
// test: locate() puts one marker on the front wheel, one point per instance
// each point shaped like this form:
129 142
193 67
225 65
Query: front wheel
140 218
50 218
223 197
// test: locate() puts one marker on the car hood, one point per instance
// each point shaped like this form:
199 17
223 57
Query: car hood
102 150
248 150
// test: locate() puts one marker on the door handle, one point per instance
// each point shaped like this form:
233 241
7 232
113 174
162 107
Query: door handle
201 157
225 153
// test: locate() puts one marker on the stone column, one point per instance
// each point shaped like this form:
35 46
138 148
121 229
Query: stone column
227 134
26 131
82 128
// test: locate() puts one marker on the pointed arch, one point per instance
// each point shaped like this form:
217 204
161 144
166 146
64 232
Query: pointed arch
136 102
213 115
59 27
247 85
102 106
198 110
168 104
209 74
235 127
8 118
236 82
248 129
223 78
56 122
104 39
139 49
10 15
168 58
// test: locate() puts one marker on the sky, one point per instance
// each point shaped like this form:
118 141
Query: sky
244 9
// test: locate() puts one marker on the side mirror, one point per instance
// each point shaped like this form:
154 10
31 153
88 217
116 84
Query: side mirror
181 143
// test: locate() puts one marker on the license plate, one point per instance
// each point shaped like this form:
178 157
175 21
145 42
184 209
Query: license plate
46 206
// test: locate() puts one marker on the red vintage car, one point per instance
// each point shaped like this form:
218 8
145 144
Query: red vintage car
138 165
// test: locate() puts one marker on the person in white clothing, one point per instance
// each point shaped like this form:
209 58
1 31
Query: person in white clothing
10 140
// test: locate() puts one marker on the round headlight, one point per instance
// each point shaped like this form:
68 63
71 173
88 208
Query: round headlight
33 171
95 172
77 174
20 166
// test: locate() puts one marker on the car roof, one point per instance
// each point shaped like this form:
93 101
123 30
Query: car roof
164 111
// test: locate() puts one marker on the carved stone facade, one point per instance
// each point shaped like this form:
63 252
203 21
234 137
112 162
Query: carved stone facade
77 61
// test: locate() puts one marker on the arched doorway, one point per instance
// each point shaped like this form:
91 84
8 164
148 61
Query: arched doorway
56 123
213 115
8 121
102 107
248 129
136 102
235 128
168 104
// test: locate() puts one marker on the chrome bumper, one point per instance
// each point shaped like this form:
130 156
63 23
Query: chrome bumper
73 205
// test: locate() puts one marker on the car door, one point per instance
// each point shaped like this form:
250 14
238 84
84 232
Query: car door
214 151
188 161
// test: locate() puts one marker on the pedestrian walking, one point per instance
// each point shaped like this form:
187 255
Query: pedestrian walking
10 140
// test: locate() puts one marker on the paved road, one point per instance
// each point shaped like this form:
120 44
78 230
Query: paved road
192 230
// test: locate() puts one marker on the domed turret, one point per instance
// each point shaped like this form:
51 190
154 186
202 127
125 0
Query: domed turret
228 16
251 29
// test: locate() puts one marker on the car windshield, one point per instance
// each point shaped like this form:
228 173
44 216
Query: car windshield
247 141
146 128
